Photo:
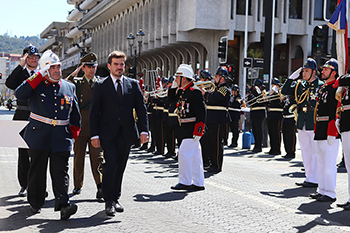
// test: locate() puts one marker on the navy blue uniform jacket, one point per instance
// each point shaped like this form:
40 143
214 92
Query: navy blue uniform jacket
108 113
55 101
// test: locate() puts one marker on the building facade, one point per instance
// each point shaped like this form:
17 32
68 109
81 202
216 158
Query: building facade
188 31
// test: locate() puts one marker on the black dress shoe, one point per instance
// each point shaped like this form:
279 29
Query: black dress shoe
315 195
196 188
255 150
341 164
151 149
181 187
157 153
347 207
232 145
35 210
99 194
343 205
143 147
213 170
307 184
325 198
76 191
169 155
22 192
110 208
288 156
118 207
68 211
274 152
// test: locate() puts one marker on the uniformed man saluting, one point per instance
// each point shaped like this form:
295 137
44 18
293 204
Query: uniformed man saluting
53 123
84 87
305 93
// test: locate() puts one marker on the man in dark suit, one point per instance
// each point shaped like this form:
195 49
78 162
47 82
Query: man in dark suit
26 68
84 87
54 122
113 127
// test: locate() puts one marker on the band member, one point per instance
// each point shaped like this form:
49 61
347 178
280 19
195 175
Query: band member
217 105
53 124
235 113
113 127
191 111
343 126
326 133
274 117
83 89
204 75
305 92
288 127
27 67
257 113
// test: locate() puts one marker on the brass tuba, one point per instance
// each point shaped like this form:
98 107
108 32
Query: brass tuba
209 86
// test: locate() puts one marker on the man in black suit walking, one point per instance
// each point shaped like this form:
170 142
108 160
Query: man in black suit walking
113 127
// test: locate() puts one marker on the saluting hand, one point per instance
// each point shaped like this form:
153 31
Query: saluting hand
76 71
23 60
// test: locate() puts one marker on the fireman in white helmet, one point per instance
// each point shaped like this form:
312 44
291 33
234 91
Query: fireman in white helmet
54 123
191 110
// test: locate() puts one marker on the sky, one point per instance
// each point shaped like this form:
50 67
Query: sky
31 17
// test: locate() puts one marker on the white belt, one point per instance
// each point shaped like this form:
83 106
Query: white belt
159 108
323 118
48 120
234 109
275 109
187 120
173 114
166 110
257 108
288 116
217 108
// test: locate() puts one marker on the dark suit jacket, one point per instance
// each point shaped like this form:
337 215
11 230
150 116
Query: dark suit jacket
108 114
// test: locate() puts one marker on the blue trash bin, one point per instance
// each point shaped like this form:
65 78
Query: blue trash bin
246 140
252 140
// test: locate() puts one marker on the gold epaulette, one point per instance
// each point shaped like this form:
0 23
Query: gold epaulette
223 90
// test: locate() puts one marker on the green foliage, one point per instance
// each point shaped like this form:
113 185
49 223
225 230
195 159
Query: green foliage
17 44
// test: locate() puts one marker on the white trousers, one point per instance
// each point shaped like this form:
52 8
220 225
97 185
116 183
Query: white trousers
345 139
327 167
308 153
190 163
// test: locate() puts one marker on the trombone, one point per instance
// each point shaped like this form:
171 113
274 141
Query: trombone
272 97
256 98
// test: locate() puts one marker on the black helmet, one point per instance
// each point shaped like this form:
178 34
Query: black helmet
235 87
204 74
333 64
196 77
310 63
221 71
276 81
31 49
165 80
258 82
171 79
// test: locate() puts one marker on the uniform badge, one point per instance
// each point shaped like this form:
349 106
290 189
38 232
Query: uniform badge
32 77
346 97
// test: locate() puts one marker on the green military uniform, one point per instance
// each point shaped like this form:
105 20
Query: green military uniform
84 88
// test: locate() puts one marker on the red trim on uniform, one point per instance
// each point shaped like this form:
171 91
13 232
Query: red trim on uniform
336 83
188 85
332 130
36 80
315 128
199 129
75 131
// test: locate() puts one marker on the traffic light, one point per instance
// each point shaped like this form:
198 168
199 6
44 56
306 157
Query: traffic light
222 50
320 40
0 75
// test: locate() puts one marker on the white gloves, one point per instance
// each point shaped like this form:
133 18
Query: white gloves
196 138
44 71
330 140
337 124
296 74
174 85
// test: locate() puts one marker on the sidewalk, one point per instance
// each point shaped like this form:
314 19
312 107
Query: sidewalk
253 193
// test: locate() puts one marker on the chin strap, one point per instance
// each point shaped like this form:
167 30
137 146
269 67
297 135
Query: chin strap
51 79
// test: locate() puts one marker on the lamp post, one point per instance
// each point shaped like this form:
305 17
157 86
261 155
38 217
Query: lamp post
134 55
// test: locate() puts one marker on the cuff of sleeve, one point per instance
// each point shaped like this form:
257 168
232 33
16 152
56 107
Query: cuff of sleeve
144 133
332 129
35 80
95 137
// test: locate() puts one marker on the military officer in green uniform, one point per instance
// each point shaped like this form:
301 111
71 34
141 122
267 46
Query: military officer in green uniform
305 93
84 87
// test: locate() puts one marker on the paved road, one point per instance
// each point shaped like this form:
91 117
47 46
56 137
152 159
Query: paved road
253 193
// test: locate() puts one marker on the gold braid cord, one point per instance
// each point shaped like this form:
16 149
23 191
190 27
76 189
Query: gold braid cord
302 96
315 111
223 91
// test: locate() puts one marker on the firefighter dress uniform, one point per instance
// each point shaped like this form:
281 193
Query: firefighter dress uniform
53 123
305 94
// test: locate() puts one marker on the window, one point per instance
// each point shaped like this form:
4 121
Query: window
295 11
241 7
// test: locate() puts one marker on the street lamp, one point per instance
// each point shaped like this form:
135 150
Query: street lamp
134 55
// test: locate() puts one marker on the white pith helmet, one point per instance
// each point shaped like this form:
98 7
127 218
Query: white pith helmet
185 71
49 57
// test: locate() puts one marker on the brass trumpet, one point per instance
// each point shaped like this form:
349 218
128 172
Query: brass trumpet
208 86
272 97
157 93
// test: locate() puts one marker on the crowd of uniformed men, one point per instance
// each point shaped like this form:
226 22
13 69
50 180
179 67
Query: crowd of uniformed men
188 115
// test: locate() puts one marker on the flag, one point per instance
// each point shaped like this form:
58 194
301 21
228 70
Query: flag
338 22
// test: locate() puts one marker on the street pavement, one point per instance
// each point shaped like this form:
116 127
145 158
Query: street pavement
253 193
